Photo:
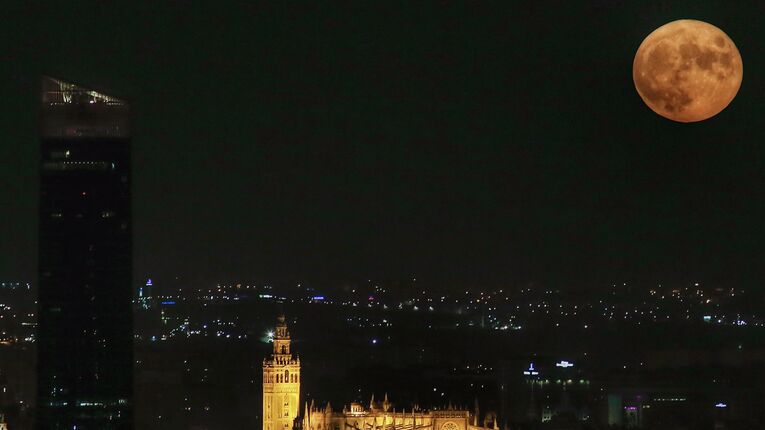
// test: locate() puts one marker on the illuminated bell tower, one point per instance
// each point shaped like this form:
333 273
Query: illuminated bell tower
281 382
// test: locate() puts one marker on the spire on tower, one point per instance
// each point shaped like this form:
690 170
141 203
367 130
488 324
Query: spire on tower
281 339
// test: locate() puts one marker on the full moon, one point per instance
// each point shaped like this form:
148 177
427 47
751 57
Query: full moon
687 70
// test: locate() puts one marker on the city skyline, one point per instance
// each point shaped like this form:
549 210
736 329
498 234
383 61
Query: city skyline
306 142
382 216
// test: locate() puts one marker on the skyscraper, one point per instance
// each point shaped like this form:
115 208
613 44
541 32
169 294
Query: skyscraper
85 336
281 382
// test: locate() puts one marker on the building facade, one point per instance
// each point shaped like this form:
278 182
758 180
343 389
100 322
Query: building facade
382 416
281 382
85 333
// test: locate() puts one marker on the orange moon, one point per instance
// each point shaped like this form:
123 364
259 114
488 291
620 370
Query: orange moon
687 70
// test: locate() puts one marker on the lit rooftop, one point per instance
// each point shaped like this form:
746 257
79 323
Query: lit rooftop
72 111
58 92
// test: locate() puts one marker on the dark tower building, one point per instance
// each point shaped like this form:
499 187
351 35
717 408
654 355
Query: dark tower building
85 336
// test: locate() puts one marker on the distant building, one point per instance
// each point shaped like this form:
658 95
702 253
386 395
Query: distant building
281 382
281 397
85 335
144 295
382 416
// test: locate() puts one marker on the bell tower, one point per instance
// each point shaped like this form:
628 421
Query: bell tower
281 382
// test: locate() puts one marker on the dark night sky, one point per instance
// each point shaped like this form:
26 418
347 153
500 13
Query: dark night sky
460 144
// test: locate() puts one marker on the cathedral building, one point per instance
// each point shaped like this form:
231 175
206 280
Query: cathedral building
281 396
382 416
281 382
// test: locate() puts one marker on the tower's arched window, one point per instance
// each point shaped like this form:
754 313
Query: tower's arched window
284 349
286 376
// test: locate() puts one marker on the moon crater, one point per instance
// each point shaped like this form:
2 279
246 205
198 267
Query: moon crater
687 70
